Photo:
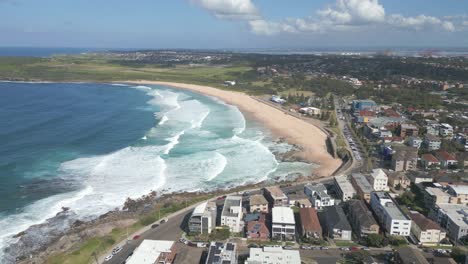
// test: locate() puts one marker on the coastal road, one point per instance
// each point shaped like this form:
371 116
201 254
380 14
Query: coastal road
171 230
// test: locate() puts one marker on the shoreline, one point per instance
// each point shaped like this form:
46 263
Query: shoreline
295 131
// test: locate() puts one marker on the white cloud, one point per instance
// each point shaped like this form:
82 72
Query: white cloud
354 11
343 15
230 9
420 22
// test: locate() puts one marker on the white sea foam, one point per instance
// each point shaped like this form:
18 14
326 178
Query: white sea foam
119 84
142 87
163 120
173 141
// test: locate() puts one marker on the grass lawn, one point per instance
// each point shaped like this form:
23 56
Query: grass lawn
99 245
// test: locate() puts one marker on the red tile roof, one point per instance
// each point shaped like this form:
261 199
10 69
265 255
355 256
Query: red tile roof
444 155
309 220
429 158
366 113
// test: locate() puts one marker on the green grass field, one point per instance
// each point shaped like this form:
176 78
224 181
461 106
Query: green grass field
82 68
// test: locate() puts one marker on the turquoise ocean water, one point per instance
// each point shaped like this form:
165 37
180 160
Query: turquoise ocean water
90 146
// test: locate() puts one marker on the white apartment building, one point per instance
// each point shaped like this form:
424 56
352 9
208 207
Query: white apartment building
203 218
389 214
344 188
445 130
379 180
232 214
273 255
283 223
318 195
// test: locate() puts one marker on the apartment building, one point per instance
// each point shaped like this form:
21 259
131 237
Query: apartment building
361 219
258 203
283 224
344 188
445 130
203 218
425 230
362 186
389 215
222 253
318 195
232 214
275 196
378 180
405 158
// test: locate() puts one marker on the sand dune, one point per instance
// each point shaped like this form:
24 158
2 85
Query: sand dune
294 130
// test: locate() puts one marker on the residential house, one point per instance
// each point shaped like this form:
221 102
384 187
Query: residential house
257 229
153 251
283 223
419 177
299 199
312 111
405 158
222 253
362 186
273 255
310 224
361 219
232 214
409 255
445 130
425 230
344 188
414 142
432 129
334 223
364 116
432 142
379 180
428 161
454 219
258 203
407 130
400 179
446 159
390 216
318 195
275 196
203 218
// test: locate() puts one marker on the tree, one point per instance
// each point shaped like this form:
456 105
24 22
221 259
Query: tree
374 240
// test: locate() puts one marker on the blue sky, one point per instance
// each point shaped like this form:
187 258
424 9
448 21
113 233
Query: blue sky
233 23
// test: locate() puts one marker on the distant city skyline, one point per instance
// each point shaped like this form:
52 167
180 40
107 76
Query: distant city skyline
234 24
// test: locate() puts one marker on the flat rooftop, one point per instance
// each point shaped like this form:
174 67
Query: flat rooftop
232 206
284 215
362 182
149 251
344 184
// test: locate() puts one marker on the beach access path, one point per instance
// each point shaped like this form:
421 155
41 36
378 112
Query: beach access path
295 131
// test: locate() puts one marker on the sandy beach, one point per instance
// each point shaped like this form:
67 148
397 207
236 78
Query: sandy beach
294 130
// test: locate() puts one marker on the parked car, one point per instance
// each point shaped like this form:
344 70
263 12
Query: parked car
108 258
154 225
163 221
136 237
288 247
116 250
324 248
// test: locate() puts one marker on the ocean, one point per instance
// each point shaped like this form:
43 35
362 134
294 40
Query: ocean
89 146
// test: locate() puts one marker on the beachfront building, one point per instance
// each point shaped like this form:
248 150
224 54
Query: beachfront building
390 216
344 188
379 180
258 203
203 218
310 224
283 224
153 251
273 255
426 230
335 224
362 186
232 214
222 253
361 219
275 196
318 195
